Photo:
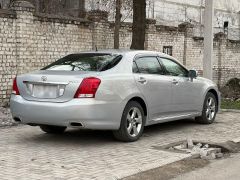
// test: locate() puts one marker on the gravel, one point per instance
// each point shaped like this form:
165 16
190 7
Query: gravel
6 118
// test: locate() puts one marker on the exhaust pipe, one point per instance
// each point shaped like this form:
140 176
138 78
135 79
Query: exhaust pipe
76 124
18 120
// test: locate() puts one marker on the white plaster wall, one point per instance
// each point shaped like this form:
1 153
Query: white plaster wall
174 12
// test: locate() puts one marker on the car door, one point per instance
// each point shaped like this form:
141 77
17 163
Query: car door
185 93
155 87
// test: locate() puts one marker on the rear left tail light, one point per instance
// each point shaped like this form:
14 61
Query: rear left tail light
88 88
15 89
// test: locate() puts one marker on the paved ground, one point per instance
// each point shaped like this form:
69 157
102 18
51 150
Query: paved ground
220 170
27 153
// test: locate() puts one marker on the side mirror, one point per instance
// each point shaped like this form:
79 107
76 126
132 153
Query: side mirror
192 74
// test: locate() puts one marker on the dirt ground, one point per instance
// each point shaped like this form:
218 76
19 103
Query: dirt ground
198 169
171 170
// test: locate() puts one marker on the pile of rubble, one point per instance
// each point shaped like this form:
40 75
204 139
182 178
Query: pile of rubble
6 118
201 150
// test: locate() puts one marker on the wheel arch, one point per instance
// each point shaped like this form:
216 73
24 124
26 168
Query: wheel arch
141 102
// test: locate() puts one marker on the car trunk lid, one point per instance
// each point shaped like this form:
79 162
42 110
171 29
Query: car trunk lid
51 86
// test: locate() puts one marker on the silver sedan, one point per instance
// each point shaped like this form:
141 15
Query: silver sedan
122 91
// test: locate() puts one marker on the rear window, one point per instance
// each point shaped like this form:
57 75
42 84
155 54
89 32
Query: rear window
85 62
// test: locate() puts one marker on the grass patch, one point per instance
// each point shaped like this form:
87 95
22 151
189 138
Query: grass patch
228 104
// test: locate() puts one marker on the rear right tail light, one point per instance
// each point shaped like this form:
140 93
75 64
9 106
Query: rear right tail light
88 88
15 89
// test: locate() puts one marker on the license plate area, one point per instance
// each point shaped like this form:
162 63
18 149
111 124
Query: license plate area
45 91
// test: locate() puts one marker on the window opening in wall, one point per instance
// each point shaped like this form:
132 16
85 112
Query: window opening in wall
226 23
168 50
225 27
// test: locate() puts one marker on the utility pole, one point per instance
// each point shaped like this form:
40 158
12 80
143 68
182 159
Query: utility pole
208 39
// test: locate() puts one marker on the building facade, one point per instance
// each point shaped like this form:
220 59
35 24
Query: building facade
175 12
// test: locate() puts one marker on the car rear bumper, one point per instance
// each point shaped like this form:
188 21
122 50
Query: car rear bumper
90 113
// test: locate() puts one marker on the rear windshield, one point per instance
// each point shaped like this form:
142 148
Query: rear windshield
85 62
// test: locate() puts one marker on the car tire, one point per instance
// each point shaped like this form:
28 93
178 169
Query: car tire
209 110
132 123
52 129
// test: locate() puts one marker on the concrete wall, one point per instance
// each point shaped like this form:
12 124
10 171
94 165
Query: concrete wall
30 41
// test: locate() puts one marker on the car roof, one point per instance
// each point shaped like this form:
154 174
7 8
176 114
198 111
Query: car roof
126 51
130 51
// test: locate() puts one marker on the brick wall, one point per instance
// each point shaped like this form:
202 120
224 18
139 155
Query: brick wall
30 41
8 62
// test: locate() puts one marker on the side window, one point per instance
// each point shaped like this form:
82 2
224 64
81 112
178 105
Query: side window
174 69
135 68
149 65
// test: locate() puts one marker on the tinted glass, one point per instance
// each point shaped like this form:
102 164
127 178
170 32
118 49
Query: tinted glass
85 62
149 65
173 68
135 68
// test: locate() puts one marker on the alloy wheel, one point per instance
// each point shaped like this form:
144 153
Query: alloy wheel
134 122
211 108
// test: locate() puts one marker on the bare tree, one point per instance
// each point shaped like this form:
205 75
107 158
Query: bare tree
139 24
110 7
118 10
118 17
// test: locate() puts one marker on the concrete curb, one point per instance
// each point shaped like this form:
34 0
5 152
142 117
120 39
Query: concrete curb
229 110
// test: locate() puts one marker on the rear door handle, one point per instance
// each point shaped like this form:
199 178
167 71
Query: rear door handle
175 82
142 80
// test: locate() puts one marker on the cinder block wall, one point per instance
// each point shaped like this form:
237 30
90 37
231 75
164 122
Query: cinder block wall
30 41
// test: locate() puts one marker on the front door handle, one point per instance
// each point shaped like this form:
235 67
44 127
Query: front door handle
142 80
175 82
